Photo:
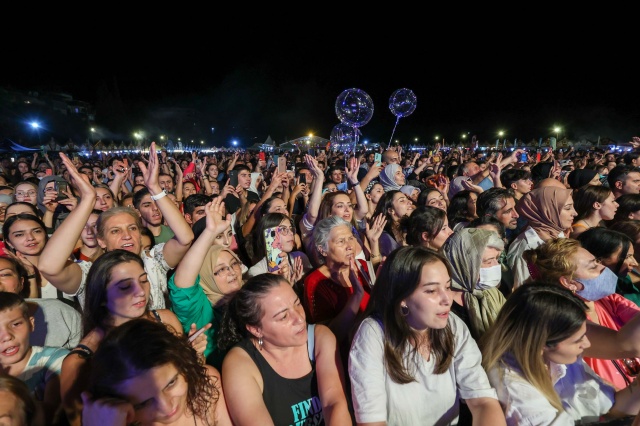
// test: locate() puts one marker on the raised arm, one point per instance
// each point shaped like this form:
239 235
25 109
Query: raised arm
316 191
352 176
54 263
276 181
188 269
175 248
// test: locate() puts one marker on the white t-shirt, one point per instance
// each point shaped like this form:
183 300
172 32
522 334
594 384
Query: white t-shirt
432 399
584 395
154 265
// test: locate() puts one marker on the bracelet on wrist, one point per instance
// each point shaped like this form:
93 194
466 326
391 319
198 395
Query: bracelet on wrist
161 194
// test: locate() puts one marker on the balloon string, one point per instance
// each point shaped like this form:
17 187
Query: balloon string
355 139
394 129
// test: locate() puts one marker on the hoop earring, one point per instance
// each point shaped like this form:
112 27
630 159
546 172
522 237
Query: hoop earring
260 342
404 310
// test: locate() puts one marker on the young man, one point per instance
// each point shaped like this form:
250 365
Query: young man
151 216
624 179
194 207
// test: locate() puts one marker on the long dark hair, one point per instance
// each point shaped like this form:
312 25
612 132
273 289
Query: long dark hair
139 345
22 216
385 204
399 277
95 312
269 220
245 308
603 242
427 219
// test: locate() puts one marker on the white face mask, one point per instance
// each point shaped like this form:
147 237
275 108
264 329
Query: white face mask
489 277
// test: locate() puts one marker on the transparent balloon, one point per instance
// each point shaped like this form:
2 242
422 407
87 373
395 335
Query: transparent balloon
402 102
343 135
354 107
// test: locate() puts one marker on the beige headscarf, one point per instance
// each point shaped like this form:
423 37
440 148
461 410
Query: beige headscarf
207 279
464 249
541 208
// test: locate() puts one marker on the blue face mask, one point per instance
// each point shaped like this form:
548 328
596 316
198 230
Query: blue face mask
596 288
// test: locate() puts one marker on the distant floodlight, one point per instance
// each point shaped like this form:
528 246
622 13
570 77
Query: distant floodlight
35 124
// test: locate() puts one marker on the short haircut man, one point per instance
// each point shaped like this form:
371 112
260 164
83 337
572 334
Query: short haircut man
194 207
624 179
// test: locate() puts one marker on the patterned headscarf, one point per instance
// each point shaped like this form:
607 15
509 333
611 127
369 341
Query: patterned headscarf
464 249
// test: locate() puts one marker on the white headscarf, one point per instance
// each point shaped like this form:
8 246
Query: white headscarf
388 178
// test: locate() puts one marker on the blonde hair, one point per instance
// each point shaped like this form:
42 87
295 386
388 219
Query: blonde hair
553 259
534 317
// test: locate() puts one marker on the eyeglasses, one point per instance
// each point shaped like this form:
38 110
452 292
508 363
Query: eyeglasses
224 271
22 194
286 230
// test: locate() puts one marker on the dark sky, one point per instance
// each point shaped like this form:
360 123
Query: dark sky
287 91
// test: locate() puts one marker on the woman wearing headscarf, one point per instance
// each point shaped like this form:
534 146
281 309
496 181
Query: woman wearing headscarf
204 282
392 177
549 213
475 276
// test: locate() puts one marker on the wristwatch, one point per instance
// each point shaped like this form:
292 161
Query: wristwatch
159 195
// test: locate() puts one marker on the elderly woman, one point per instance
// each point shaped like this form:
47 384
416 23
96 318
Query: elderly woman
337 291
475 275
549 213
392 177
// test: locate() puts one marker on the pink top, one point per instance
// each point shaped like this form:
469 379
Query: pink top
614 311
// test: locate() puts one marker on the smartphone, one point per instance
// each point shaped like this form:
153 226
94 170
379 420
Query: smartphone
233 178
273 248
302 178
436 159
49 172
262 157
311 152
195 335
378 158
524 157
282 164
60 187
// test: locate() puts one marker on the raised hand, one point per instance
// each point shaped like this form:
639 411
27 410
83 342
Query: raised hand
351 170
151 171
374 231
217 221
200 342
78 180
312 163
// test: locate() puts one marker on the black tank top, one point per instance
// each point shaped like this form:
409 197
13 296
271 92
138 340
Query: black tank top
290 402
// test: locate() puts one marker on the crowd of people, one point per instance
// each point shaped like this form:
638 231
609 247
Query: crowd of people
444 287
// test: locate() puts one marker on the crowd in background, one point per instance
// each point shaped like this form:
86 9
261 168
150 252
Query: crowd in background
444 286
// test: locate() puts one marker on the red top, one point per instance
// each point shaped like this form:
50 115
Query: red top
324 298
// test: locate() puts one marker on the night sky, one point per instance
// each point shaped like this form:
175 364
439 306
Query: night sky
287 91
